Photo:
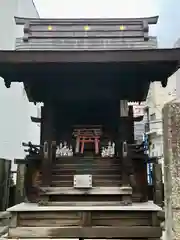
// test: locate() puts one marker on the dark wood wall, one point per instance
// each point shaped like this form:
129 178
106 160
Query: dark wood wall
69 114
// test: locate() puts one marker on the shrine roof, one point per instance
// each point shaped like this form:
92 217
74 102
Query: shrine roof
149 20
132 70
86 34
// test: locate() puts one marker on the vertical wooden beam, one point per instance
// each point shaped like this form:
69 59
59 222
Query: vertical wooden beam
48 136
131 125
143 184
86 218
123 147
122 139
42 140
7 183
20 183
14 220
46 165
158 185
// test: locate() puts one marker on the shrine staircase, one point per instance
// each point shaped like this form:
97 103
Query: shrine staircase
106 180
105 171
72 212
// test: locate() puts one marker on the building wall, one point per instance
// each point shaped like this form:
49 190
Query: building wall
15 124
157 98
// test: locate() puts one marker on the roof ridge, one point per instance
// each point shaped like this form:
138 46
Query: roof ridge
150 20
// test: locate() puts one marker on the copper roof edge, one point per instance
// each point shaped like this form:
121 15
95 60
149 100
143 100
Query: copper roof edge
23 20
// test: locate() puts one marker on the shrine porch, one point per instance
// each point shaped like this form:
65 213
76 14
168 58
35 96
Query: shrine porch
85 220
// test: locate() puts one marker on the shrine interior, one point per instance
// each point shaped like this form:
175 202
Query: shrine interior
68 114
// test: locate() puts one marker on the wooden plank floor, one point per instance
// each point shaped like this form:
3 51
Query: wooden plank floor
134 222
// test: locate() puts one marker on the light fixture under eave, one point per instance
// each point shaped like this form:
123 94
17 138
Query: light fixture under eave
49 28
122 27
86 28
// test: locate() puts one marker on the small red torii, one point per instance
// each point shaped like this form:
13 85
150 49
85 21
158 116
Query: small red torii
87 134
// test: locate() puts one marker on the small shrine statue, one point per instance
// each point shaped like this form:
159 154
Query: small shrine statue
109 148
64 150
103 152
60 148
58 152
70 152
109 151
113 149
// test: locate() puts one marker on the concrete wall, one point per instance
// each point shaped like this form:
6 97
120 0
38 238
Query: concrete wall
171 126
15 124
157 98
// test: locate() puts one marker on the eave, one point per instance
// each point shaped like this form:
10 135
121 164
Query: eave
132 71
121 56
22 21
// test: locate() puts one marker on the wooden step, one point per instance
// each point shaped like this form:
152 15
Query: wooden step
104 220
104 165
79 160
106 183
93 199
99 183
103 191
94 177
97 171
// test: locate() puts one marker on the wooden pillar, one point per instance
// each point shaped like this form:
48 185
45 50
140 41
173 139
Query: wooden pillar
123 138
47 137
158 184
123 146
42 127
131 125
20 183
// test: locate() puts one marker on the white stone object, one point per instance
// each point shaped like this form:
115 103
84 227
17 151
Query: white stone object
58 153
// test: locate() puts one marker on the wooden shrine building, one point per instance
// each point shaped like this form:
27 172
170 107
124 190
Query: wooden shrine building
87 178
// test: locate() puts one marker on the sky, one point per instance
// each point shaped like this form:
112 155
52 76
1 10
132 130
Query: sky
97 8
169 22
167 30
